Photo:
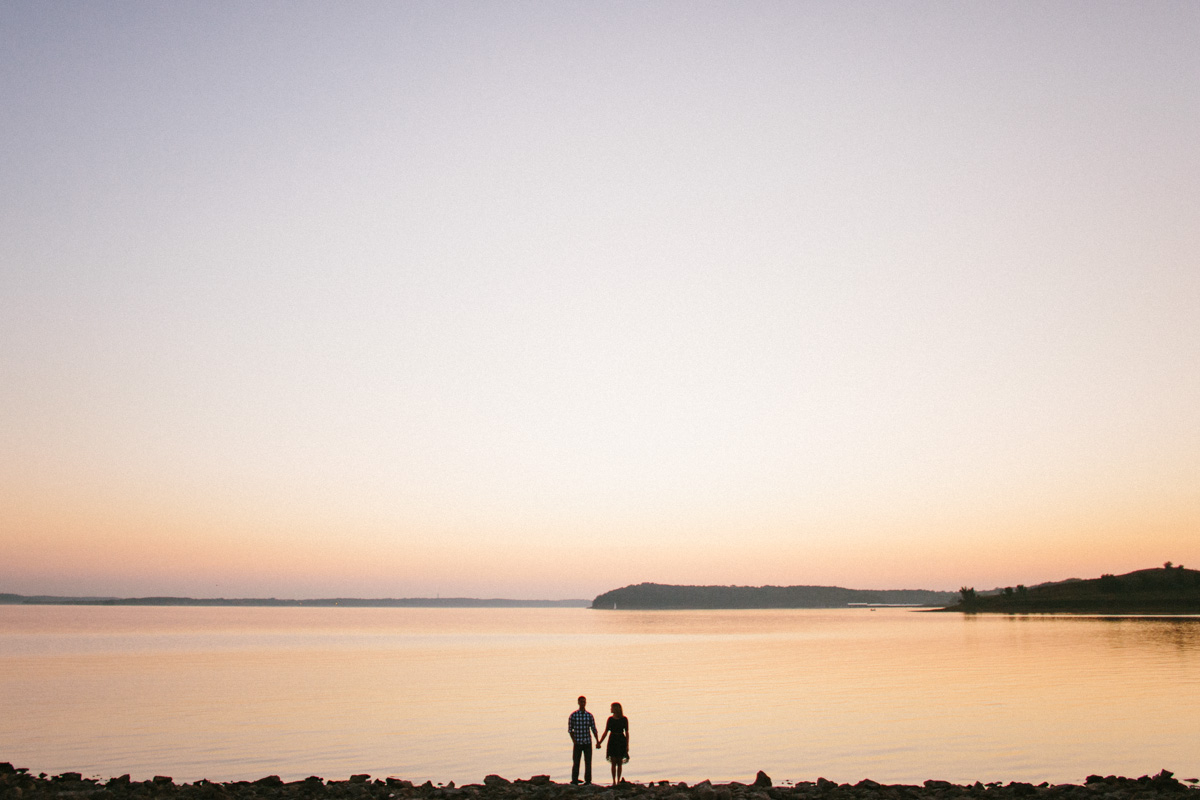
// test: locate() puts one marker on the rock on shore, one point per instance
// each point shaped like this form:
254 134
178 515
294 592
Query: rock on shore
18 784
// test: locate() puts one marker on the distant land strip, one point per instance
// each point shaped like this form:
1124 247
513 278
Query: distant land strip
353 602
657 596
1169 590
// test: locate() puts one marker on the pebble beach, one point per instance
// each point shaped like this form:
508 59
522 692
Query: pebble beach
19 784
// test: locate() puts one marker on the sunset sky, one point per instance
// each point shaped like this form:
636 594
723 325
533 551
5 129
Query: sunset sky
539 299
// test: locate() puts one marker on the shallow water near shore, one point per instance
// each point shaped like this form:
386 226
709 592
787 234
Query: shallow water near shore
455 694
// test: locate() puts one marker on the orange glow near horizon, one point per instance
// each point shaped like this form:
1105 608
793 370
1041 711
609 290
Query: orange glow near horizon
86 549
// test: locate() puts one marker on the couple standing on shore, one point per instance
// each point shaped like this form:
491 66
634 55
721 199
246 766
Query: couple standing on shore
581 725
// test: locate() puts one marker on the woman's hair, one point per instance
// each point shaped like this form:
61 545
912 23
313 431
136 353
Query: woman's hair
616 709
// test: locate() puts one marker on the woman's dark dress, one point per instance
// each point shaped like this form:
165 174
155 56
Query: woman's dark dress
618 740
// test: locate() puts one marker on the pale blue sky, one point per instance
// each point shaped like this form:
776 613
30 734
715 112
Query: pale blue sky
539 299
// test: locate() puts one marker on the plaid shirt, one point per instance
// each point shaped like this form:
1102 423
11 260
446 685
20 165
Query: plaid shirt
581 725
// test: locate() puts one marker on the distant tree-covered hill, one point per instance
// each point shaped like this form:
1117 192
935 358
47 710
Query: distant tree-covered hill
663 596
1166 590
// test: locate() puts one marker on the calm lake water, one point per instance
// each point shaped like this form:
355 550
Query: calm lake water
450 694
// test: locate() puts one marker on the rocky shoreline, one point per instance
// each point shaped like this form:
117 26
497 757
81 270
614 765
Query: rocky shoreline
18 784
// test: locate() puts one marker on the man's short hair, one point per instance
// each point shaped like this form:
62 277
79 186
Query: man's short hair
582 699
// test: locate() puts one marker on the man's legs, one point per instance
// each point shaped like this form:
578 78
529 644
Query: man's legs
587 759
575 754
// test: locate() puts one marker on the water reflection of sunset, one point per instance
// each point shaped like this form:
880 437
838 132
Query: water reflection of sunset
448 694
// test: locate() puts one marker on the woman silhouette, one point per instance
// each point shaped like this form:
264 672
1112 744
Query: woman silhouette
618 744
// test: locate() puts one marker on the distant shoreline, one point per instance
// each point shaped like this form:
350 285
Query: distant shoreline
1115 612
663 597
1169 591
273 602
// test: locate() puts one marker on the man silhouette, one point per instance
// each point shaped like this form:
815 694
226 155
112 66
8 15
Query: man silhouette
581 725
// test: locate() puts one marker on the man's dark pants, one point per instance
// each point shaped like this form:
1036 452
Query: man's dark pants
586 751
